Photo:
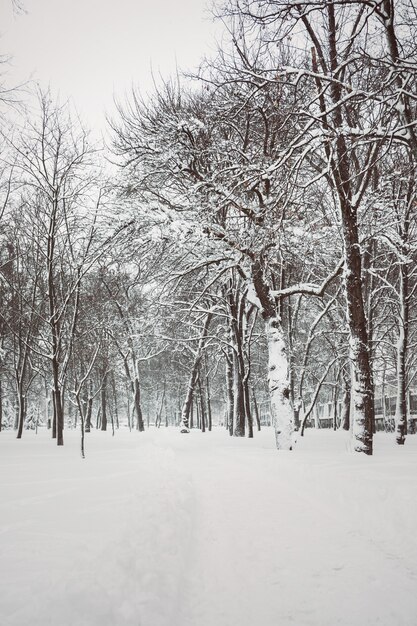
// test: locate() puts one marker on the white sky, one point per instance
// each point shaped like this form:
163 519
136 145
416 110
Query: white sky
89 50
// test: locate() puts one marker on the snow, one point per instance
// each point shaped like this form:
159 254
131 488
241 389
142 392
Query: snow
282 415
163 529
252 296
191 125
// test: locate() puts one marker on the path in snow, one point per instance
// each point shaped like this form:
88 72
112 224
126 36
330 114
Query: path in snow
160 529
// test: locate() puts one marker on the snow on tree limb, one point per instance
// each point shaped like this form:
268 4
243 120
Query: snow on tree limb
309 289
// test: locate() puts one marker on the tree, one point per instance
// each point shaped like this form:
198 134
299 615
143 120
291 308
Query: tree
22 312
214 175
343 128
63 199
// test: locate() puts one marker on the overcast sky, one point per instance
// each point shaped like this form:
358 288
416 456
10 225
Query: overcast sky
90 49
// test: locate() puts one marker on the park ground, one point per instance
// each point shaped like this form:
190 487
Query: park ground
164 529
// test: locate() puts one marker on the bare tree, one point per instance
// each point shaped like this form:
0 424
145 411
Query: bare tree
63 199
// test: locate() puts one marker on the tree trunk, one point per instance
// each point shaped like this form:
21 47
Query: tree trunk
384 406
53 416
159 411
208 402
362 392
278 381
197 411
202 404
362 389
103 397
59 417
89 407
405 110
290 352
82 437
248 411
335 403
185 414
256 409
345 415
192 412
82 409
187 405
166 412
229 388
138 408
112 423
58 412
21 409
98 418
208 398
401 404
137 398
281 411
236 301
298 405
116 408
239 399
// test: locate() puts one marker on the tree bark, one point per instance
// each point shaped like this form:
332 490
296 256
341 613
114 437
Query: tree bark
103 397
1 404
116 408
345 415
89 412
185 414
208 399
140 426
21 408
248 411
229 391
401 404
203 418
281 411
187 405
362 389
278 380
54 325
256 409
58 409
335 404
238 396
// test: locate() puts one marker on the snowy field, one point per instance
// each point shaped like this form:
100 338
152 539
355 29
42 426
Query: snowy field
163 529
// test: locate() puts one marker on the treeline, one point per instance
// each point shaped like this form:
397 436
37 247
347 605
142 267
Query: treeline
255 251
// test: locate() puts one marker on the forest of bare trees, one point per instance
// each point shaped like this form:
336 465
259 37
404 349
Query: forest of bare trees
241 251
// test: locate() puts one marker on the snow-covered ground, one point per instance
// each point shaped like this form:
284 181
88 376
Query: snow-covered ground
163 529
